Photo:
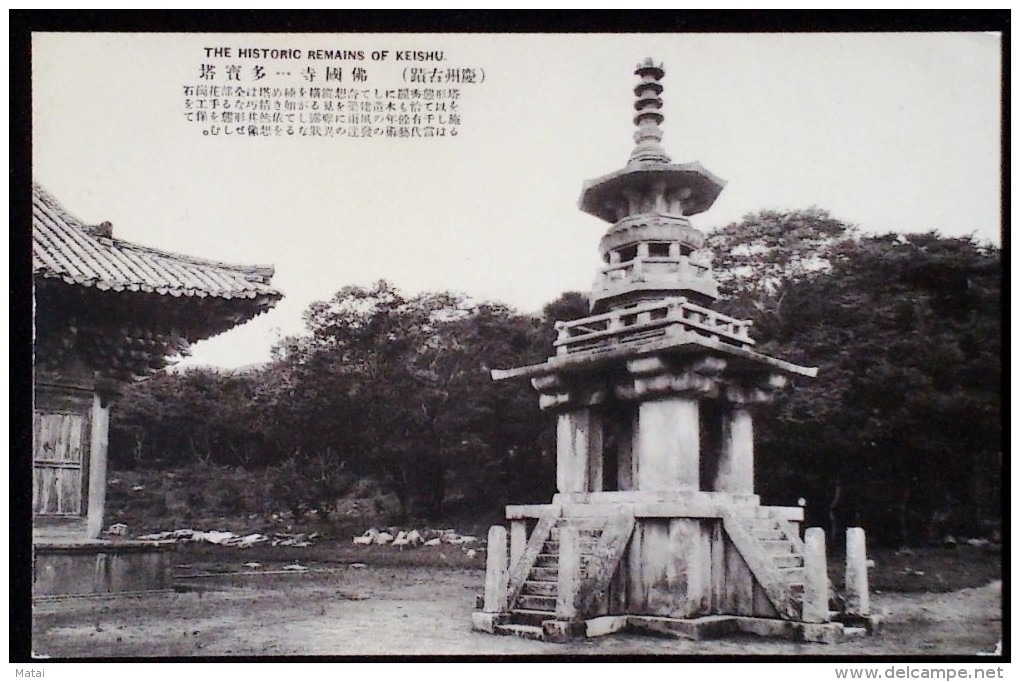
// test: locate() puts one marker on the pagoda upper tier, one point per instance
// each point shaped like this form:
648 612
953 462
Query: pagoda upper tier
651 251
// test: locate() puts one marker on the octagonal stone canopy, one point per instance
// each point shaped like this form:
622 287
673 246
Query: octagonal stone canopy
695 187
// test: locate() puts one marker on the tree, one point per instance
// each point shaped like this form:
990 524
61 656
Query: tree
758 259
403 384
197 415
900 429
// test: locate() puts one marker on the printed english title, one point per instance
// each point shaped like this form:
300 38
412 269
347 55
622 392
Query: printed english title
323 54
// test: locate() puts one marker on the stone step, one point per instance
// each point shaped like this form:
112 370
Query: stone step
523 631
778 547
769 534
536 602
787 560
531 617
792 575
550 560
796 588
755 524
541 588
544 573
583 534
586 546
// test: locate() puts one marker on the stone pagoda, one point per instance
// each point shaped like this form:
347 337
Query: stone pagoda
656 525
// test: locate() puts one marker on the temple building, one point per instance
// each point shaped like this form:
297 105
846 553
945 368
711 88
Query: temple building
108 312
656 525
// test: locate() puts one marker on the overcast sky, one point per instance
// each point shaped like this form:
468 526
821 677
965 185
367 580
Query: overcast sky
892 132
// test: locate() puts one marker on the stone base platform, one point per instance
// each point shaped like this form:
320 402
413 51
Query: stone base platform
706 627
91 568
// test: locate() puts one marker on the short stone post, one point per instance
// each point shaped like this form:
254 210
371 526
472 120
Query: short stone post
856 573
815 607
496 573
569 576
518 540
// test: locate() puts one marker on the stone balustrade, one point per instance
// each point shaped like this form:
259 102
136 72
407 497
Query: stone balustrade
653 266
669 316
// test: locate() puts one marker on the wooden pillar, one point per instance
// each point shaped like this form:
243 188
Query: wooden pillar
518 540
736 457
496 573
857 601
667 444
99 440
569 573
578 451
816 578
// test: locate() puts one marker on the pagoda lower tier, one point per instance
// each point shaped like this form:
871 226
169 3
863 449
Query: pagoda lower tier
692 565
655 525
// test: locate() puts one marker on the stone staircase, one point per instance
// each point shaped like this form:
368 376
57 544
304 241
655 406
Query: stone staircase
560 585
536 601
775 554
785 552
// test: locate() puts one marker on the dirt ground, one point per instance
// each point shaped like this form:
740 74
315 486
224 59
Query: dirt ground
416 610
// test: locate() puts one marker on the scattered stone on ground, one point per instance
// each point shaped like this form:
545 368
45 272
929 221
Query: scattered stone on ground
228 539
427 537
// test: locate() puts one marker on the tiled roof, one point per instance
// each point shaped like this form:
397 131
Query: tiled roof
65 248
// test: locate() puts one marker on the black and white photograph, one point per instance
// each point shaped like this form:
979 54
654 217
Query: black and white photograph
581 346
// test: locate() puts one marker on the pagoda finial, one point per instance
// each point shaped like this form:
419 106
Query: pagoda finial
649 114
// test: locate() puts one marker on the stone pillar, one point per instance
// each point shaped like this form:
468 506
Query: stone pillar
518 540
595 454
736 458
496 573
578 445
99 438
625 474
569 574
667 444
815 607
857 601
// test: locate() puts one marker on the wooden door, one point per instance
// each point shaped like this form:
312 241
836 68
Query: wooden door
60 444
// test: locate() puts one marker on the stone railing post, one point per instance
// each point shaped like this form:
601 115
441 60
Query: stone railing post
518 540
569 576
856 573
496 573
816 578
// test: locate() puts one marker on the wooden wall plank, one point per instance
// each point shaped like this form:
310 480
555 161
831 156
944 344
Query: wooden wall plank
59 452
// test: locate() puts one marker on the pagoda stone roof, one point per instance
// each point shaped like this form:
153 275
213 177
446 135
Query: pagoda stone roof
64 248
599 195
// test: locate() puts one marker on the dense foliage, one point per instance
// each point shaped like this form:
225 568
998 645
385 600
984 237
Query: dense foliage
900 431
382 385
